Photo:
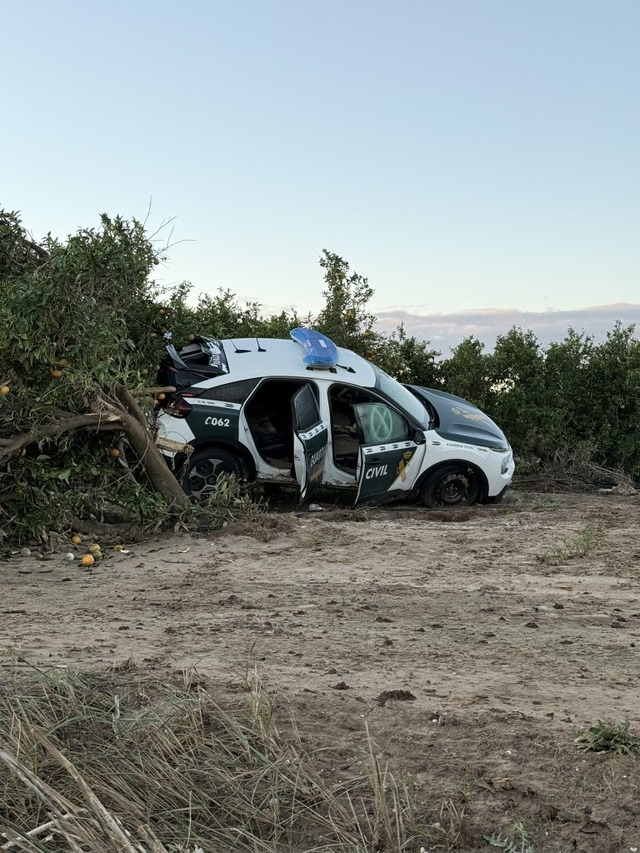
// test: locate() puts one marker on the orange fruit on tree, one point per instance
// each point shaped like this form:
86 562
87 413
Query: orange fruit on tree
4 390
63 362
114 453
56 373
87 560
76 539
161 396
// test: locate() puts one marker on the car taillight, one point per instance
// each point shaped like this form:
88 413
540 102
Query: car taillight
179 408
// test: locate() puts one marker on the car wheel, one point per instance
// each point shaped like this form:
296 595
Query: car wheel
203 469
453 485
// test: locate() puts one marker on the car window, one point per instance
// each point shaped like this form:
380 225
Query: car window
397 393
232 392
380 424
306 409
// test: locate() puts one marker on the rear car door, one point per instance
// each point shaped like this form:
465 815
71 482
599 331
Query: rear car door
391 453
310 441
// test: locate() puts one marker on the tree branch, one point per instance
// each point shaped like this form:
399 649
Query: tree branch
159 474
129 402
16 443
138 437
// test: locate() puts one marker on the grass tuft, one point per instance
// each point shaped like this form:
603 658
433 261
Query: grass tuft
516 842
608 736
583 543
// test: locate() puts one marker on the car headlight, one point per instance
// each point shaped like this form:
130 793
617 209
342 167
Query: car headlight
506 463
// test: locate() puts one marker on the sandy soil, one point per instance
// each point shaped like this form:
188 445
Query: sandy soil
474 645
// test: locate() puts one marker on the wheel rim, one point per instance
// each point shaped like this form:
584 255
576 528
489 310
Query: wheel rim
202 478
456 487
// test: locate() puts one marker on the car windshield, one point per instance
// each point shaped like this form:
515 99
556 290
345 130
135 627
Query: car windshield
396 392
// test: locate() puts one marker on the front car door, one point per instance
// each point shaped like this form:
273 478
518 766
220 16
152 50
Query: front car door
391 453
310 441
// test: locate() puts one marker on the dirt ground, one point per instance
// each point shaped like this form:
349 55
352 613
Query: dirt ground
474 645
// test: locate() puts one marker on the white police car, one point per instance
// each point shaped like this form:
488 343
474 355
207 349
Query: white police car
274 411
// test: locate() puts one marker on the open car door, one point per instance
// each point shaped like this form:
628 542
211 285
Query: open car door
391 453
310 441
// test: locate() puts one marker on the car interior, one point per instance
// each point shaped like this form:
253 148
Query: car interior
269 417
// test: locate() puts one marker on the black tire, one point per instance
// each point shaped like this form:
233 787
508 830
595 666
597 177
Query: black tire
450 486
203 469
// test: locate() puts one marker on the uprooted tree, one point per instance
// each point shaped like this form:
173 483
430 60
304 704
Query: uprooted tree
75 321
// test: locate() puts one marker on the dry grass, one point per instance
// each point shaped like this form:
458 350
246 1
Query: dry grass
106 763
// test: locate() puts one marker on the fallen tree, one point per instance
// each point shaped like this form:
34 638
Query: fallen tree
77 333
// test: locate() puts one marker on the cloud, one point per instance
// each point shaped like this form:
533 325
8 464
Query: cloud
445 331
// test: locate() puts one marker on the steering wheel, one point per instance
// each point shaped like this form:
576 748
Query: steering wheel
380 424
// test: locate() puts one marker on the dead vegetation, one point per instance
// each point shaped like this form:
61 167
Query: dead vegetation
108 763
570 470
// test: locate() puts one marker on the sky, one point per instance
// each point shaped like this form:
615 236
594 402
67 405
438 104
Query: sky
477 160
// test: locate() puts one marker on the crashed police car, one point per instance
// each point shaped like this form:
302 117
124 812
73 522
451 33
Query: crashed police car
306 412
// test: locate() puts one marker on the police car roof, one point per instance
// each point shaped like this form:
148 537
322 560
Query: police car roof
248 357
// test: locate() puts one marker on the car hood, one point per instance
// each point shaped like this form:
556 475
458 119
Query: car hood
456 419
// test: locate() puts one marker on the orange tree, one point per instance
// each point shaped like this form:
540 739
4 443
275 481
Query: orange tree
77 331
348 320
346 317
613 391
